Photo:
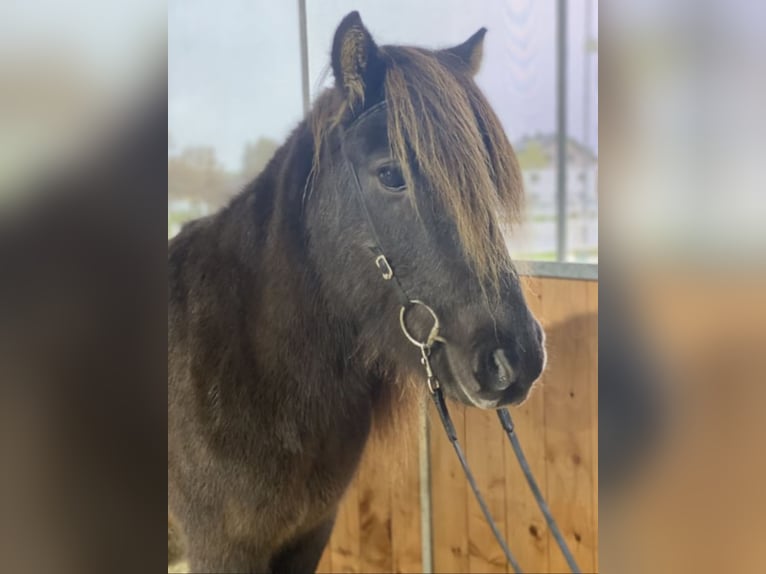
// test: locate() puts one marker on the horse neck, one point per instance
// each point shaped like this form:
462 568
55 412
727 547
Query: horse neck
307 344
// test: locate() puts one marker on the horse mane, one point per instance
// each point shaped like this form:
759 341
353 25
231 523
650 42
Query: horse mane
441 125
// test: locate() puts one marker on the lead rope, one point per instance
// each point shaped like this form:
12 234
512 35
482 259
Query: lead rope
384 266
449 428
441 407
507 423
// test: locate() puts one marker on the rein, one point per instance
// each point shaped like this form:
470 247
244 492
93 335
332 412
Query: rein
407 303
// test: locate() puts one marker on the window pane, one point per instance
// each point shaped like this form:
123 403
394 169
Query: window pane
234 93
582 128
518 76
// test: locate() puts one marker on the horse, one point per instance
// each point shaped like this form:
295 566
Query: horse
285 348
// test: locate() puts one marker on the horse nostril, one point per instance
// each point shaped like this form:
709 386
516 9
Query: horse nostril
506 375
495 371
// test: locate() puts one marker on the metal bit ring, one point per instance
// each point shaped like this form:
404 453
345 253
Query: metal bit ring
433 335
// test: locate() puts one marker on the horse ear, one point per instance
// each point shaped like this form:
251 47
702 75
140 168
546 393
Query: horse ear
470 51
356 61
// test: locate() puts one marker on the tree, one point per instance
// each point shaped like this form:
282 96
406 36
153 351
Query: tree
197 175
532 155
200 157
256 156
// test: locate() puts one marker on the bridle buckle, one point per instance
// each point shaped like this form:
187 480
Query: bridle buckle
385 267
431 380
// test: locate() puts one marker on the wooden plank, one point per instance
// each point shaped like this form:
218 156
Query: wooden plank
449 493
405 509
484 451
527 531
528 535
568 420
345 542
378 527
374 488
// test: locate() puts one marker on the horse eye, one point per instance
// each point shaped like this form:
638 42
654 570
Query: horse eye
391 177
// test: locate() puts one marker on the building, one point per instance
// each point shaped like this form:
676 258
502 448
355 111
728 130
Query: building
538 157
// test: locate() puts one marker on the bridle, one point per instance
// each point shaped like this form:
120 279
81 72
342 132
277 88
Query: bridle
425 346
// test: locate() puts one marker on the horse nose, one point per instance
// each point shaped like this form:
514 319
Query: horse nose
494 370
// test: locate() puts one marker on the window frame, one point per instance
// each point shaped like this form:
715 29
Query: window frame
560 268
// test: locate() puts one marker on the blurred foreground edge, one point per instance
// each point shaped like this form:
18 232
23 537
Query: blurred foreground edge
82 358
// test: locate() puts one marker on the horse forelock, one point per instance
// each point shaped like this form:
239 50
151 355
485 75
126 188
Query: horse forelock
441 126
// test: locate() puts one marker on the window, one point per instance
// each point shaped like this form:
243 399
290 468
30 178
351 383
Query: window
238 82
522 58
234 92
581 44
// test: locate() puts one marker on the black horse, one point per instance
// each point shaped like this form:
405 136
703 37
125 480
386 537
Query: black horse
284 342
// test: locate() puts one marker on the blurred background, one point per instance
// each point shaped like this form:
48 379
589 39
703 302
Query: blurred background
241 76
683 306
83 182
69 73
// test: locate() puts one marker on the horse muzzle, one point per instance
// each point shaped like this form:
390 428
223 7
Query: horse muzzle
495 370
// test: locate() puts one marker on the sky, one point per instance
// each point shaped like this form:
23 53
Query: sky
234 65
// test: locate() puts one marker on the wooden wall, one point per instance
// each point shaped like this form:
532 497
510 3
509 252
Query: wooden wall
379 525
